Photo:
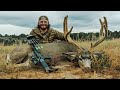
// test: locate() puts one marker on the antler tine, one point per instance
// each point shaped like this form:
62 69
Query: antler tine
106 23
67 33
105 27
101 30
65 25
105 20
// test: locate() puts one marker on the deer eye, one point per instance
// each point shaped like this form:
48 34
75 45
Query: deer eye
83 57
80 57
88 56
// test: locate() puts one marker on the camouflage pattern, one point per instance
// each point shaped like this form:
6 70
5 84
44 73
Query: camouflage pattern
50 36
43 17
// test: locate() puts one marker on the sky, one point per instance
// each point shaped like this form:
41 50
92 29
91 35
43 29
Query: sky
17 22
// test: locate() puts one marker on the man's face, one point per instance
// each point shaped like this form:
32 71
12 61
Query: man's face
43 24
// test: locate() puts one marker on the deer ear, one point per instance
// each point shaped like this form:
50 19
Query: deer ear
98 53
70 55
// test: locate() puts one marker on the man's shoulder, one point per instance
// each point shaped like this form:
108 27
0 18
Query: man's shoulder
53 30
34 29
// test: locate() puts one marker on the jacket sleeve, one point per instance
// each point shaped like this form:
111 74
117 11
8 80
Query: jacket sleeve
60 35
34 34
56 35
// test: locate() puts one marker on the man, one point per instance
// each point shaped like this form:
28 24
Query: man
43 32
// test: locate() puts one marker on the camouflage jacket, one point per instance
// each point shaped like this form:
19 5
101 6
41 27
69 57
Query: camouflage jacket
50 36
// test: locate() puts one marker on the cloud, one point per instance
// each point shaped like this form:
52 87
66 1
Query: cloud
82 21
11 29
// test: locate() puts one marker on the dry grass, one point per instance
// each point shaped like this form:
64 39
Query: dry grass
67 70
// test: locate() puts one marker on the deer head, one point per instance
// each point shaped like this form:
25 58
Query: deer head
84 56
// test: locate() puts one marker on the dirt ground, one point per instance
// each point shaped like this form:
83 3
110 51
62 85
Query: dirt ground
65 71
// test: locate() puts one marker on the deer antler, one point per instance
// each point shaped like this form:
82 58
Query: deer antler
67 34
104 25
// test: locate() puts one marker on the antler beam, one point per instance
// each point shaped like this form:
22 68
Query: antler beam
67 33
104 26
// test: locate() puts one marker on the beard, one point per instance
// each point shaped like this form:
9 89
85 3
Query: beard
43 28
40 26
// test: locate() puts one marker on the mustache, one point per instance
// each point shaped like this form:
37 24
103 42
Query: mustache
39 26
43 25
